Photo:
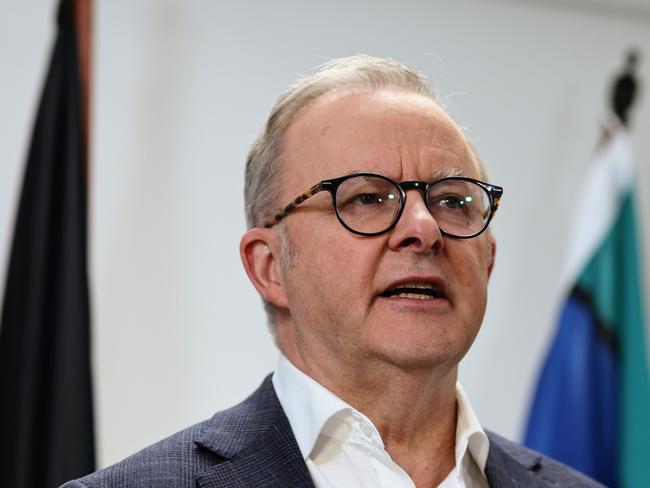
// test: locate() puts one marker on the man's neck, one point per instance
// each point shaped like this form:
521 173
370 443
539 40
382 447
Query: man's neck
413 409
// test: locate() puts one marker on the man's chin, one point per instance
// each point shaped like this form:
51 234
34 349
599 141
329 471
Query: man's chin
422 361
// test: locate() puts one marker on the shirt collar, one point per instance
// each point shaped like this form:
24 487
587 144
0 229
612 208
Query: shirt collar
469 434
309 405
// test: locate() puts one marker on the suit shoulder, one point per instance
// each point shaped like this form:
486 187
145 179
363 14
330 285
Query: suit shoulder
179 459
543 468
171 462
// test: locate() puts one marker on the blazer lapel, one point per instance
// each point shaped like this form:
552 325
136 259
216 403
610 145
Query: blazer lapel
257 445
505 469
274 462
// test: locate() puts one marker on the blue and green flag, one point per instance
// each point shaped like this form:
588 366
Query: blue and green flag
591 409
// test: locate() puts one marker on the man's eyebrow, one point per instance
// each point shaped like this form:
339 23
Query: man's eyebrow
436 175
446 173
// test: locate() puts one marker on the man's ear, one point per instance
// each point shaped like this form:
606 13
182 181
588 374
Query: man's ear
260 253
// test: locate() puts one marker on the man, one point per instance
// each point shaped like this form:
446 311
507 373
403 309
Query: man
375 282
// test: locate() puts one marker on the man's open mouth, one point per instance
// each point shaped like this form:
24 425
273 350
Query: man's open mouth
415 290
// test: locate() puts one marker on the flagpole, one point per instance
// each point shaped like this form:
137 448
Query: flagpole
623 95
82 13
625 89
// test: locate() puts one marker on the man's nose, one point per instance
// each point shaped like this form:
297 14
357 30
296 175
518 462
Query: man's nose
416 228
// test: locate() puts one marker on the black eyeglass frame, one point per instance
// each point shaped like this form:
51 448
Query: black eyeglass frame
494 194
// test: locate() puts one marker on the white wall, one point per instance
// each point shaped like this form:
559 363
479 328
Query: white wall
181 90
26 35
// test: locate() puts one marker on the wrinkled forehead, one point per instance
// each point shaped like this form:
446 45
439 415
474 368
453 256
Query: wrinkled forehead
400 135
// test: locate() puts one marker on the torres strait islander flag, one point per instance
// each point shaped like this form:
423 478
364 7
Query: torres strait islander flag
591 409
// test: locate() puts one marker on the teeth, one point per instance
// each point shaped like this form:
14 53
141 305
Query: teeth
416 296
411 289
425 286
418 284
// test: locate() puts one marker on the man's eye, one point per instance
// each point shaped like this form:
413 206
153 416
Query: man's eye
366 199
452 202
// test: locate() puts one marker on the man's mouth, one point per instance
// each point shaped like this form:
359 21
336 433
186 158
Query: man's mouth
415 290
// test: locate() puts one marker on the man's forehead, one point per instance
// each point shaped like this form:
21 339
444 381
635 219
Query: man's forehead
378 132
377 105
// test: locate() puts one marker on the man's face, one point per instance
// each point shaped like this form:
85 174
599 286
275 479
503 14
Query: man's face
335 283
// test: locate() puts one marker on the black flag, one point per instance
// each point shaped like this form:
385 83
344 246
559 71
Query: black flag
46 421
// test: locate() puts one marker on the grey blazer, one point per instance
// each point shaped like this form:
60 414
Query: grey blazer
252 445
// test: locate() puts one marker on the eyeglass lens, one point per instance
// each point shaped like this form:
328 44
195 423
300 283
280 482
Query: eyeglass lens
370 204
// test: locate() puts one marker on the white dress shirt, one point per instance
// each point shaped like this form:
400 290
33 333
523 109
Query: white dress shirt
342 447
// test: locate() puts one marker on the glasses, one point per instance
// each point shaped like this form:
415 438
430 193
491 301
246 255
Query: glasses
368 204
